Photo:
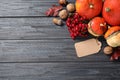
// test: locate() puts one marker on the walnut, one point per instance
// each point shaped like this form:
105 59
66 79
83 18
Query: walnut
63 14
108 50
63 2
70 7
57 21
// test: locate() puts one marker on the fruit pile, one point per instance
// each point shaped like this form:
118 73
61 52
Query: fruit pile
77 25
97 17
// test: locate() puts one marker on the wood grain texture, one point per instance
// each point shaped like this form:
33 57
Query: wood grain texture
35 39
32 40
31 28
43 51
25 8
59 71
33 48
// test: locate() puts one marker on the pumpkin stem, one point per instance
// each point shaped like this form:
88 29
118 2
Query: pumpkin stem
107 9
108 27
102 24
103 0
91 6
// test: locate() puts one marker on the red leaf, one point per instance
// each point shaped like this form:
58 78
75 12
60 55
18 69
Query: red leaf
53 11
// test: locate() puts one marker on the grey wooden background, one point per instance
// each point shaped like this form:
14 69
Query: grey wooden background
33 48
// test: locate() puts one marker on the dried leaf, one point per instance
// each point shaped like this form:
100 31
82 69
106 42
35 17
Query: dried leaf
53 11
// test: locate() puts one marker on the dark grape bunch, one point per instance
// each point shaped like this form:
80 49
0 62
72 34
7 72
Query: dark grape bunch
77 26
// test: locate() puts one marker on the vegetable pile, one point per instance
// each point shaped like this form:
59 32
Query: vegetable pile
97 17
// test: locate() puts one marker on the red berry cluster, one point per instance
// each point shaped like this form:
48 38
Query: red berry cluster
77 26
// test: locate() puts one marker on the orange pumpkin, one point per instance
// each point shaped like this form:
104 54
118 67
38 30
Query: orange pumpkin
111 30
97 26
89 8
111 12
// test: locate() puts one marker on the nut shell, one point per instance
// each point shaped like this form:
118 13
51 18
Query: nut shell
71 7
57 21
62 2
108 50
63 14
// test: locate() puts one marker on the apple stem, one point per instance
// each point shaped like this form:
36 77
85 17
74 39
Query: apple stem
107 9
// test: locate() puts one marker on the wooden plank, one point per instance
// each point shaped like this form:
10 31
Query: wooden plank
43 51
60 71
25 7
31 28
37 40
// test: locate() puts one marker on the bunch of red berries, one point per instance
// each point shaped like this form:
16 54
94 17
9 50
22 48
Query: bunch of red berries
77 26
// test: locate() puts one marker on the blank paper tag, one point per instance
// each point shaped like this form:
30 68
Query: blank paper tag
88 47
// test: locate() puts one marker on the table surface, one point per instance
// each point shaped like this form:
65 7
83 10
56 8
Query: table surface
33 48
